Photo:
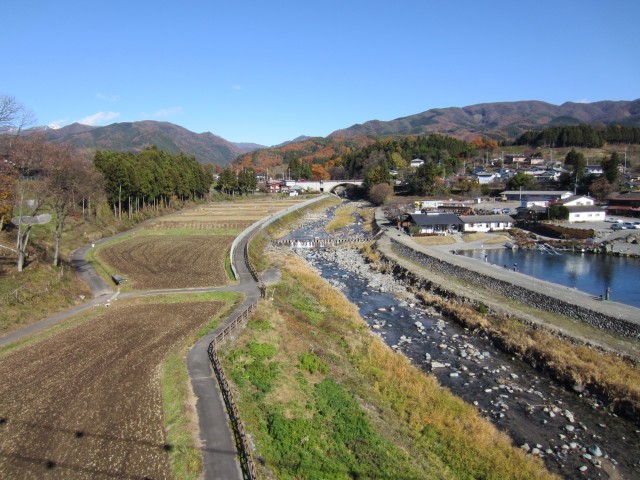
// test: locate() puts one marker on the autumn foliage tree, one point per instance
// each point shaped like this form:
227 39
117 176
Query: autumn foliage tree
318 172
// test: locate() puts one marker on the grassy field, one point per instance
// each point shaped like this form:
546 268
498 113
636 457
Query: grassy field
324 398
435 240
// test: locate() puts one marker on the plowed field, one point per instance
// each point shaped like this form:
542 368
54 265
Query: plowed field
156 262
86 403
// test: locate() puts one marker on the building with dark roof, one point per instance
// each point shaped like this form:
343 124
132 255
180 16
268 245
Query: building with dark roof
432 223
626 204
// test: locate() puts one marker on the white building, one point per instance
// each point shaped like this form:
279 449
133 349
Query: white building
485 178
583 209
485 223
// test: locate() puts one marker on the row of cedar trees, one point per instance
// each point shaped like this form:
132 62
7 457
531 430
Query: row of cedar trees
151 178
38 177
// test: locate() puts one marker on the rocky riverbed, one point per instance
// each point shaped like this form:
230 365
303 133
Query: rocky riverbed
571 431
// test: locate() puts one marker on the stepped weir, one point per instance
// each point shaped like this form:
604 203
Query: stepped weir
308 243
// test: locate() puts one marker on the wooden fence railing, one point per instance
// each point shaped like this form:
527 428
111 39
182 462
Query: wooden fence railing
242 444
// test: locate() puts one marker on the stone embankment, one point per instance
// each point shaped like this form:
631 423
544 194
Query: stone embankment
521 293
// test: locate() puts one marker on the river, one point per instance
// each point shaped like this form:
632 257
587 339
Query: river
570 431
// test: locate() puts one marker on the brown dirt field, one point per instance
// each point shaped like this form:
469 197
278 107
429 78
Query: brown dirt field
86 403
197 224
156 262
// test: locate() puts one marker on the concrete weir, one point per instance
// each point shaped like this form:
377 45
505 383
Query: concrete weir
616 317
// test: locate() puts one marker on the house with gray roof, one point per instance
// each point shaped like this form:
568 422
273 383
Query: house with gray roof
432 223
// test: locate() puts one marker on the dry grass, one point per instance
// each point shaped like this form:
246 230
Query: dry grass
490 238
435 240
368 216
574 364
343 217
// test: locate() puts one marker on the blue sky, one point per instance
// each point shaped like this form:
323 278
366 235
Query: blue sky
266 72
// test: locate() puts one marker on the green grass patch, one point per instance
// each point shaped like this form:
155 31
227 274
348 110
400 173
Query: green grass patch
310 362
300 302
251 365
337 441
185 457
368 414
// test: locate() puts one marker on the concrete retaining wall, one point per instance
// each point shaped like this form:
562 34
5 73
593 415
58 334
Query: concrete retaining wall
520 294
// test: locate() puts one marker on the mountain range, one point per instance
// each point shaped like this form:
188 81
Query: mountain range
134 136
500 121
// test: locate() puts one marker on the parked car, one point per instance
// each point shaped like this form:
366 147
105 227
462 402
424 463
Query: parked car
629 225
636 225
612 220
618 226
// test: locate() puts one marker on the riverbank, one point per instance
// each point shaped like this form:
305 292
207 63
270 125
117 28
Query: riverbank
516 398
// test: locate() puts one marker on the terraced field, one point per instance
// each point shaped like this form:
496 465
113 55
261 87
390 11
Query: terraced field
159 261
86 403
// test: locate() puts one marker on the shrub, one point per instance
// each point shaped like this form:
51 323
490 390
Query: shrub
310 362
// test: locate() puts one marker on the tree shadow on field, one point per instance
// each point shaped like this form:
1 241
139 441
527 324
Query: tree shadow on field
75 436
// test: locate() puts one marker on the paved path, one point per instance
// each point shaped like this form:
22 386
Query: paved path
220 456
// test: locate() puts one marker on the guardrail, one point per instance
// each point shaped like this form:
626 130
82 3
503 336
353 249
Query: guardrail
242 444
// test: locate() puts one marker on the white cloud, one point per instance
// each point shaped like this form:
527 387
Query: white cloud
98 118
109 98
167 112
236 87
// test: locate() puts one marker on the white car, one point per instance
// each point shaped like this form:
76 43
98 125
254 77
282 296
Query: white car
612 220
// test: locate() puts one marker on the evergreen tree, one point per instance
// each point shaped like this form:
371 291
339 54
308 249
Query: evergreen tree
610 168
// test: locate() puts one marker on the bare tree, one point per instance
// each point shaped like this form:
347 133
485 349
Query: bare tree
28 157
13 115
69 179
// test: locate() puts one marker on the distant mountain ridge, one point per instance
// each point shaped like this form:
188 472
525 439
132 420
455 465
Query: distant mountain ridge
134 136
501 121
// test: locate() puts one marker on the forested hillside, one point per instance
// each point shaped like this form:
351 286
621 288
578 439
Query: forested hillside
135 136
580 136
501 120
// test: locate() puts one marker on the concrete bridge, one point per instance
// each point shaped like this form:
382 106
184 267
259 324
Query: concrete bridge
327 186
